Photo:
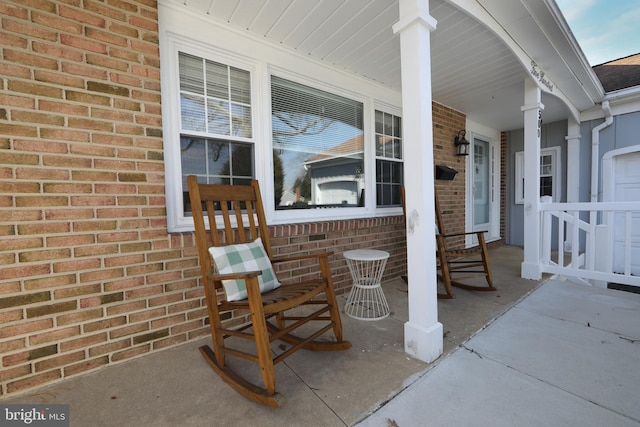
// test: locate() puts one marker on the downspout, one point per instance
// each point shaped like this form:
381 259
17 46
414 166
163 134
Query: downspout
595 149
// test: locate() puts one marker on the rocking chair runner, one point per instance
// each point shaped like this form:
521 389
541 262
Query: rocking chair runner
227 202
459 264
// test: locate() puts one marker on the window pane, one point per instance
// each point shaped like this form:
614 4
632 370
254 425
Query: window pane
397 130
217 158
397 149
379 122
215 100
389 175
191 74
546 186
318 142
241 124
217 80
192 113
227 92
388 181
218 117
240 86
193 153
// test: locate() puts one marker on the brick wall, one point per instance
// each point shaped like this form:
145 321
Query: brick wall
451 194
89 275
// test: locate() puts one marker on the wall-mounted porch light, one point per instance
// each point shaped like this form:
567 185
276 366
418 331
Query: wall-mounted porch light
462 145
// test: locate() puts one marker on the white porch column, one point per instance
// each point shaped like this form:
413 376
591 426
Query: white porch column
423 332
573 173
531 268
573 157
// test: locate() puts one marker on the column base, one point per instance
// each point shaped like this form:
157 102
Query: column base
530 271
425 344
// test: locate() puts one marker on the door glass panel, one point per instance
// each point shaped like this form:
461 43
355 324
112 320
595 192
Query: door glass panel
480 182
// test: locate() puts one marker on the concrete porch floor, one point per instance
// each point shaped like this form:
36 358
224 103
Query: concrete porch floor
565 355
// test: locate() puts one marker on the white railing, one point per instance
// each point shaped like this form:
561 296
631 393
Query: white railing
596 243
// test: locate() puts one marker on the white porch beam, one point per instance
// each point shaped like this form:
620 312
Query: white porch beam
422 333
531 267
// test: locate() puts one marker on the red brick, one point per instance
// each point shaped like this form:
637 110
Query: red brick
130 353
20 27
109 347
170 342
81 16
17 372
128 308
84 342
79 317
59 361
104 324
8 346
77 291
27 271
33 381
85 366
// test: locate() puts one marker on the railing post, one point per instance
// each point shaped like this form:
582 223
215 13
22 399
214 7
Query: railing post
603 253
545 235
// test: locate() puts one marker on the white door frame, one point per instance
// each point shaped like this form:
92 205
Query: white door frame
492 136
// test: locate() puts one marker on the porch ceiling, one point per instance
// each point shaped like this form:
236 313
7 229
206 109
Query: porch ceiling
473 71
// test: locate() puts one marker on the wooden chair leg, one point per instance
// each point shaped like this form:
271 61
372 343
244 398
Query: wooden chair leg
485 259
330 294
445 273
263 344
217 337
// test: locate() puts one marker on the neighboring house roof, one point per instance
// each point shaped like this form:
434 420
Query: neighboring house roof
352 148
620 73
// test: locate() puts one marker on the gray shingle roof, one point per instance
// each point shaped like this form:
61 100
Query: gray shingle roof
620 73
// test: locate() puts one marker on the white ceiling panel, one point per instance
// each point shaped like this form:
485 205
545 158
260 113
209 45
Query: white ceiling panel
473 71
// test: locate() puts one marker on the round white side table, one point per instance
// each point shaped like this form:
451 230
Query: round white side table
366 300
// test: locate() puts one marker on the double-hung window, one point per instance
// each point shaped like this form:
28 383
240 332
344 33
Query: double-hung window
315 146
550 183
389 164
216 135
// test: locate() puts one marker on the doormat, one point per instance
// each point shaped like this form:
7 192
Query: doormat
622 287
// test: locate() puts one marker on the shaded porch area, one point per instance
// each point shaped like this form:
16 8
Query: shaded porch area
177 387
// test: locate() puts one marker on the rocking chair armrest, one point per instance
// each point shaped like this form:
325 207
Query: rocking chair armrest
463 234
234 276
300 257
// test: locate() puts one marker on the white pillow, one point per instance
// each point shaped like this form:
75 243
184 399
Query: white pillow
241 258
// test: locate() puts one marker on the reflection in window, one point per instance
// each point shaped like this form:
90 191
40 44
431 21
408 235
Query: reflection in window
215 118
389 166
318 147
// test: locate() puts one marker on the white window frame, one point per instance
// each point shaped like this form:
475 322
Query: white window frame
304 215
555 154
177 221
388 109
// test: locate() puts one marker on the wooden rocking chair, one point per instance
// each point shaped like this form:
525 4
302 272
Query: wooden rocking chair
457 265
224 204
457 261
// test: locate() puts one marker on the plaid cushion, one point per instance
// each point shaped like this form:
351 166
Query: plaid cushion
241 258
